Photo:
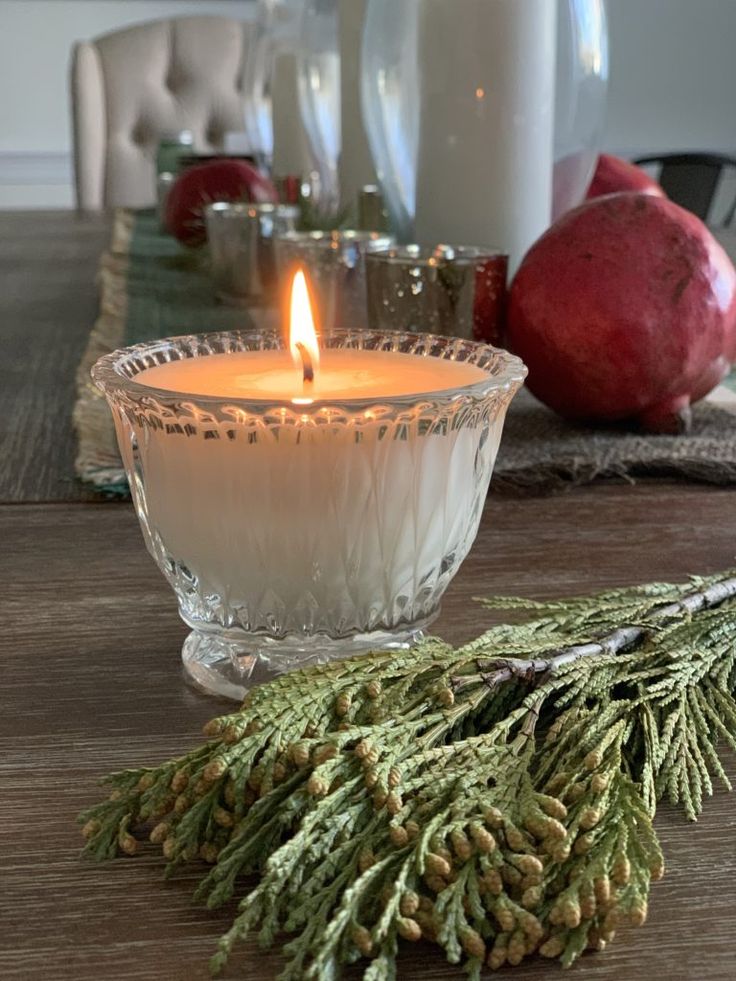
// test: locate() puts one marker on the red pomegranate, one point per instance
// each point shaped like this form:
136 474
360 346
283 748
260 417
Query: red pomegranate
625 310
216 180
612 174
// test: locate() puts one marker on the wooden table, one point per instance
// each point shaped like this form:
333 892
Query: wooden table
89 650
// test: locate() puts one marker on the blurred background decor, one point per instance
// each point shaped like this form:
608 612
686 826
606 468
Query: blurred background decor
319 96
699 182
466 155
133 87
272 122
670 90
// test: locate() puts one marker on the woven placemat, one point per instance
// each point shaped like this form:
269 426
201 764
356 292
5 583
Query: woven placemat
150 287
541 453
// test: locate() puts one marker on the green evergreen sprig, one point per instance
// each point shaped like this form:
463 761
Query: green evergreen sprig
496 799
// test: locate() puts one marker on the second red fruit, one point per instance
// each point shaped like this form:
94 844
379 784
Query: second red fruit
613 174
216 180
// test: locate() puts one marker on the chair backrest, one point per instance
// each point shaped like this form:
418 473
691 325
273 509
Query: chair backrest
693 180
129 87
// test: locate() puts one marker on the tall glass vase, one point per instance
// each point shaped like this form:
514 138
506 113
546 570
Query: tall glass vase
272 121
483 116
319 95
580 98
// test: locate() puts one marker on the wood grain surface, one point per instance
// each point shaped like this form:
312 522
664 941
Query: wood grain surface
48 303
90 682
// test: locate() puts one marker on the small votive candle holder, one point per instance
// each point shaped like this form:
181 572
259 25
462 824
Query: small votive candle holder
241 244
296 534
335 263
450 290
164 182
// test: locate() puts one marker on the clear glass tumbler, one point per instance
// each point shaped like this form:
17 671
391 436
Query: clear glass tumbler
453 290
335 263
292 535
318 73
275 35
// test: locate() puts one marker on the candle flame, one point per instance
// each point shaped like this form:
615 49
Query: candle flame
302 334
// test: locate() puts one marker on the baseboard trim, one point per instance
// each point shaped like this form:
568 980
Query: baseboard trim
33 169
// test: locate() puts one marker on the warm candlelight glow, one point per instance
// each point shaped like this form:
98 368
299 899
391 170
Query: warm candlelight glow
301 521
302 335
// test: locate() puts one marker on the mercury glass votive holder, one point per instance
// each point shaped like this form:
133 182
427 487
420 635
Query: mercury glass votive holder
241 244
335 264
454 290
295 534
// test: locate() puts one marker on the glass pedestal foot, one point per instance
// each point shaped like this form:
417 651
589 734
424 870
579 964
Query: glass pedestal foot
226 665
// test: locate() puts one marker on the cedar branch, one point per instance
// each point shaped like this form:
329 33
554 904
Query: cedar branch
500 671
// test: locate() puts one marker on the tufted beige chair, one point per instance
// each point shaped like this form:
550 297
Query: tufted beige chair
129 87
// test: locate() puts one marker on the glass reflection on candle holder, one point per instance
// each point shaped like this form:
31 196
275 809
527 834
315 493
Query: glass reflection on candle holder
451 290
335 263
241 245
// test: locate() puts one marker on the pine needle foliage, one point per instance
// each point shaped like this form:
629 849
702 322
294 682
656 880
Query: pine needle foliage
495 799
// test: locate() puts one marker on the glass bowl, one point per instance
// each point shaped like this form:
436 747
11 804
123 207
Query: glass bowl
294 534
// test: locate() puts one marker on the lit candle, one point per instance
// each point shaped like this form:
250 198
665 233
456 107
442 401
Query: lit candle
303 374
313 499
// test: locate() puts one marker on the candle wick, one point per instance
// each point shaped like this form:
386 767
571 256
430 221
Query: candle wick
306 362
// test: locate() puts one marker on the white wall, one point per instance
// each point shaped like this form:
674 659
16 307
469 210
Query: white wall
35 42
673 75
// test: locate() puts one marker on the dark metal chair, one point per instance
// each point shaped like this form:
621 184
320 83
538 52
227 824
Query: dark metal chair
693 179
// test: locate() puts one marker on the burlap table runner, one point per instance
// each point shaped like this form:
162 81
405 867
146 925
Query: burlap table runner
541 453
152 288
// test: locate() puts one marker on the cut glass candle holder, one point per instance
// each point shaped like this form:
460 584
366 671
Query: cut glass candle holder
293 535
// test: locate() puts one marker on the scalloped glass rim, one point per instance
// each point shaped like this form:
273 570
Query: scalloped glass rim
504 370
443 253
338 237
241 209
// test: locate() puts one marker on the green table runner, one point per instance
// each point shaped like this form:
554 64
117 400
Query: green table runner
168 288
150 287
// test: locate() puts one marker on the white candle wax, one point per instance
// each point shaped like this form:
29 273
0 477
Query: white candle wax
328 520
342 374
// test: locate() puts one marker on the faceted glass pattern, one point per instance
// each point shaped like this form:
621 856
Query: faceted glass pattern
293 534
